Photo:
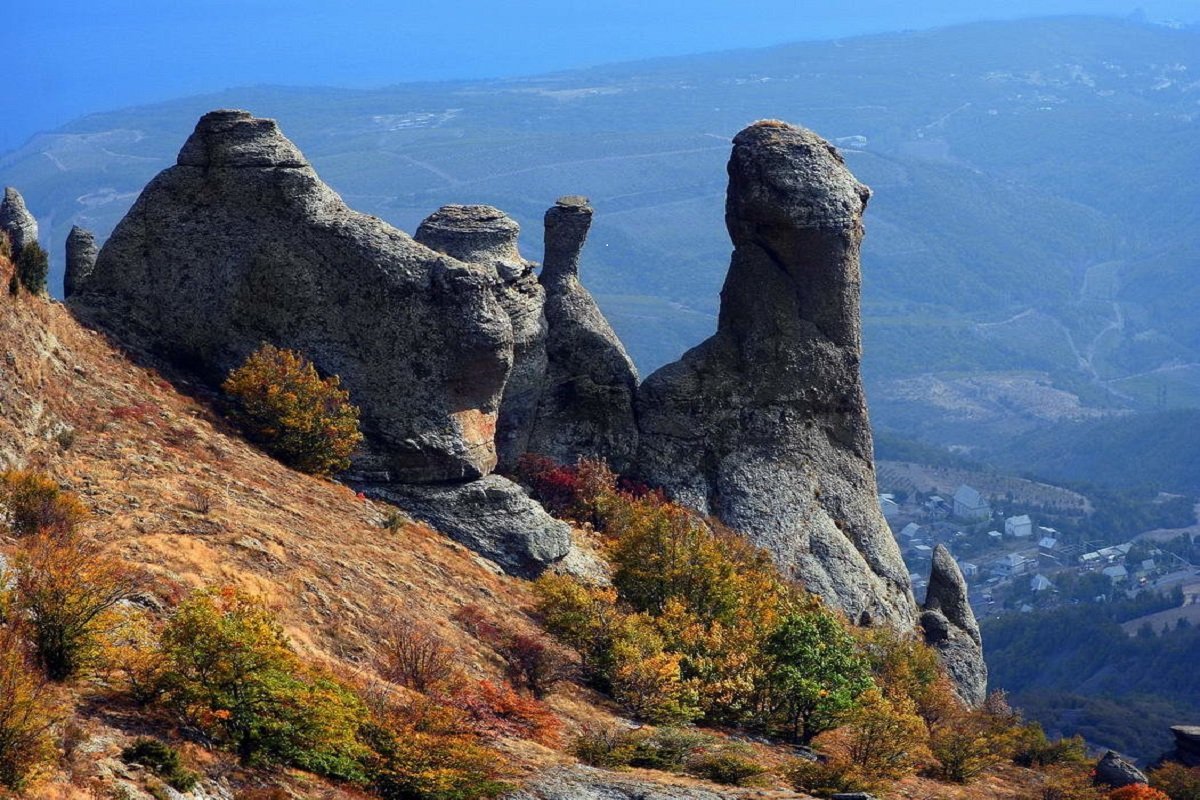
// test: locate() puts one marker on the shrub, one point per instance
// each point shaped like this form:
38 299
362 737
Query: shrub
1137 791
1178 781
231 675
1069 783
415 656
967 743
33 265
496 711
1032 748
816 673
883 739
5 245
667 749
534 663
824 778
66 591
419 756
732 765
32 502
27 713
645 678
303 419
163 760
604 746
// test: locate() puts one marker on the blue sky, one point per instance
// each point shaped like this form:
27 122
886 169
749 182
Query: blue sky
66 58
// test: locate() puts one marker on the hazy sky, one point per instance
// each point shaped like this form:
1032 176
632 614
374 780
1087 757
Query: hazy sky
65 58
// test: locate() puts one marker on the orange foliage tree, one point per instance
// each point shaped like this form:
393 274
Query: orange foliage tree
301 418
32 502
27 713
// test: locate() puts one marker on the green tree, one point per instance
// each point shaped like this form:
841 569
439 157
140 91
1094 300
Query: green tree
232 674
816 673
302 419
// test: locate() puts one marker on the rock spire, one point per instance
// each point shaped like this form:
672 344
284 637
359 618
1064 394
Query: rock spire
81 259
16 221
951 629
764 425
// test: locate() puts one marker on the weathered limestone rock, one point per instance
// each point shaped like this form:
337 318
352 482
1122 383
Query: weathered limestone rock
492 516
587 402
951 629
16 221
486 236
241 243
765 424
1114 771
589 783
81 259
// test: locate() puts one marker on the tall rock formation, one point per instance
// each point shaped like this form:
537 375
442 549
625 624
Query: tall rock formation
587 400
951 629
81 259
241 243
486 236
16 221
764 425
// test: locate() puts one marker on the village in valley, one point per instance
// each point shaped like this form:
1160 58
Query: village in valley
1023 545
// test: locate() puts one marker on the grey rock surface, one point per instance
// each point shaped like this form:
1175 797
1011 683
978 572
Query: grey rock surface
241 243
1116 772
81 259
589 783
487 237
16 221
587 400
1187 745
951 628
493 516
764 425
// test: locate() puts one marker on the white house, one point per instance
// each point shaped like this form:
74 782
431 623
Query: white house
969 570
1019 527
910 531
995 536
969 504
1011 564
1047 544
1040 583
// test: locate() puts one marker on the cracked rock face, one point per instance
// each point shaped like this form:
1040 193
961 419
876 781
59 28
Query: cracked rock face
764 425
487 237
241 243
81 259
587 399
16 221
951 629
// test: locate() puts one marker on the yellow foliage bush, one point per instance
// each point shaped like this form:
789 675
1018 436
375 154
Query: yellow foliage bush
301 418
32 502
27 713
883 739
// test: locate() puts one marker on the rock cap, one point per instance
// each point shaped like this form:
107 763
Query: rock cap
476 234
234 138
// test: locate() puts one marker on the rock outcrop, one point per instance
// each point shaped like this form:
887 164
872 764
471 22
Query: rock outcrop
486 236
16 221
492 516
241 243
951 628
764 425
587 400
589 783
1187 745
1114 771
81 259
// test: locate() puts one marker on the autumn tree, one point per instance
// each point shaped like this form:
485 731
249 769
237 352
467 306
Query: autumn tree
33 266
66 591
301 418
414 655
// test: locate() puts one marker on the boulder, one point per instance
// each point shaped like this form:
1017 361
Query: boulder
487 237
587 399
241 243
493 516
764 425
589 783
81 259
951 628
16 221
1114 771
